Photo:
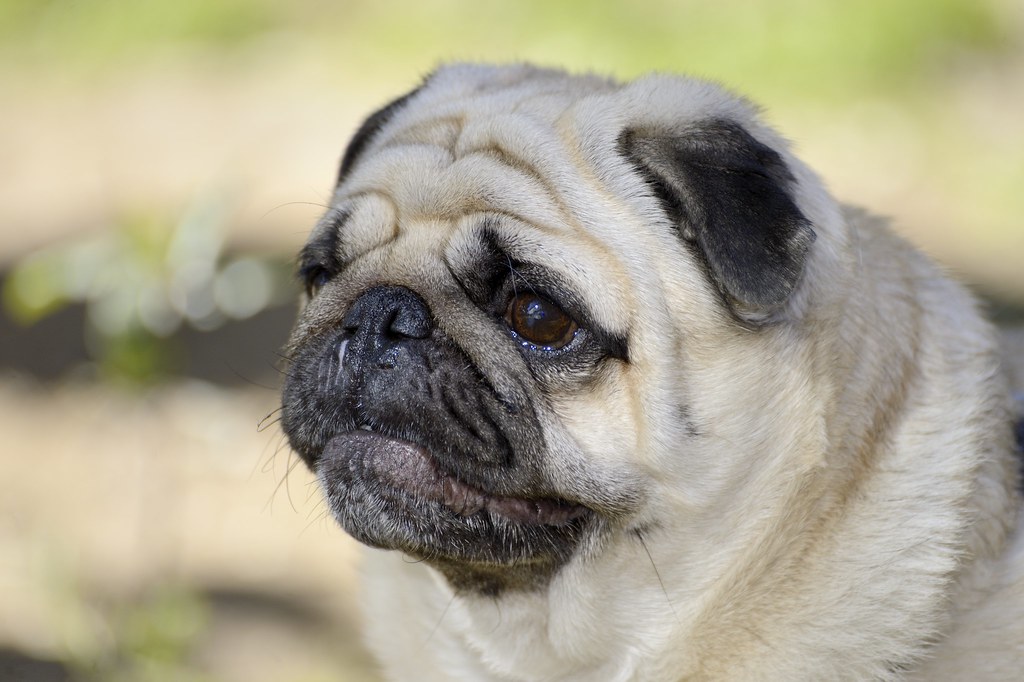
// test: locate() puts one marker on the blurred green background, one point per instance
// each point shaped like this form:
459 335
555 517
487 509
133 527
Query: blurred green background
160 162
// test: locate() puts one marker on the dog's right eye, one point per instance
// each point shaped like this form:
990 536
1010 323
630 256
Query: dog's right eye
540 322
314 277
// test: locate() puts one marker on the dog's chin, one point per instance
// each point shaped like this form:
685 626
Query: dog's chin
391 493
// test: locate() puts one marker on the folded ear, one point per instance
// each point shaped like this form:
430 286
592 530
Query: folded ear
368 130
730 197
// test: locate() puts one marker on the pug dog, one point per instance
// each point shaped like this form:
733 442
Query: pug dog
618 391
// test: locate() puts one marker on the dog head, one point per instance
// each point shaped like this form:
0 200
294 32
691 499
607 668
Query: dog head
537 309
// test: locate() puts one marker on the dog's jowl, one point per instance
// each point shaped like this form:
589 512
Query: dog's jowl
617 391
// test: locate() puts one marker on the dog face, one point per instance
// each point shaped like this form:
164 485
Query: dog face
532 292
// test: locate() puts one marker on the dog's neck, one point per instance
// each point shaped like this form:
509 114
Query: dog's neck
938 550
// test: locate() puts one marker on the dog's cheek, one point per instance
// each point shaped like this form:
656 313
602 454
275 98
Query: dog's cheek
605 421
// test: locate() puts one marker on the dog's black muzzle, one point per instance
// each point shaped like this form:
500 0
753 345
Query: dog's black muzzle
417 451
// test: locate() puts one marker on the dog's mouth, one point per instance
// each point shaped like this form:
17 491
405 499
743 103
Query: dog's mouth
410 469
395 494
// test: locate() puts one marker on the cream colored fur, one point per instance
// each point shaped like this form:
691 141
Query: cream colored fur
848 513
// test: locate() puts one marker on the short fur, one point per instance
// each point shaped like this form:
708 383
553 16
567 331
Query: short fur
778 446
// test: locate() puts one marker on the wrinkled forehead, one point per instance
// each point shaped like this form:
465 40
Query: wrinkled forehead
452 152
444 155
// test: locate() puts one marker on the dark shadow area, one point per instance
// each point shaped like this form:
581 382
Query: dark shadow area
46 350
16 666
298 612
277 631
1004 312
236 353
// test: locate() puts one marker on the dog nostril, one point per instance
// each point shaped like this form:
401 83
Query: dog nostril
389 311
354 317
411 321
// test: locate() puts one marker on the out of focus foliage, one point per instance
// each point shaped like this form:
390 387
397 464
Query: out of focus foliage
141 281
784 46
151 637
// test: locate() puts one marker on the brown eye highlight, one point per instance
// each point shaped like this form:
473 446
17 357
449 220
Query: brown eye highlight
539 321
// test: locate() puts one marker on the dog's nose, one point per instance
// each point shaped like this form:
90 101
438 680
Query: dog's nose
389 312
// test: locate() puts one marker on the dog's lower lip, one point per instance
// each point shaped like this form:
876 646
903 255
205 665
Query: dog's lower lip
411 468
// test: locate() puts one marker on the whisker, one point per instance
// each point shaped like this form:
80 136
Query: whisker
657 573
268 464
263 424
287 488
437 625
264 462
322 516
292 463
293 203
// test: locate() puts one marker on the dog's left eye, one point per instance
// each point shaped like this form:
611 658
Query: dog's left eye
540 322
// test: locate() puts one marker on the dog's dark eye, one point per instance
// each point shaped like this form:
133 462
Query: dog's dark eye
314 277
540 322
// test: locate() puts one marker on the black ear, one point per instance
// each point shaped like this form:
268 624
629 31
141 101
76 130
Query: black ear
730 197
370 127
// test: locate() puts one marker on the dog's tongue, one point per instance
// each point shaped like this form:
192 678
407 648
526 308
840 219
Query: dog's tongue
411 468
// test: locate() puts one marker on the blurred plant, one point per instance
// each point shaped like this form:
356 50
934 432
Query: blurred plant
141 282
149 635
155 636
151 638
801 47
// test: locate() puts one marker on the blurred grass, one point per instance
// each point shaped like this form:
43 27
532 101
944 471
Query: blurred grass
785 47
102 30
